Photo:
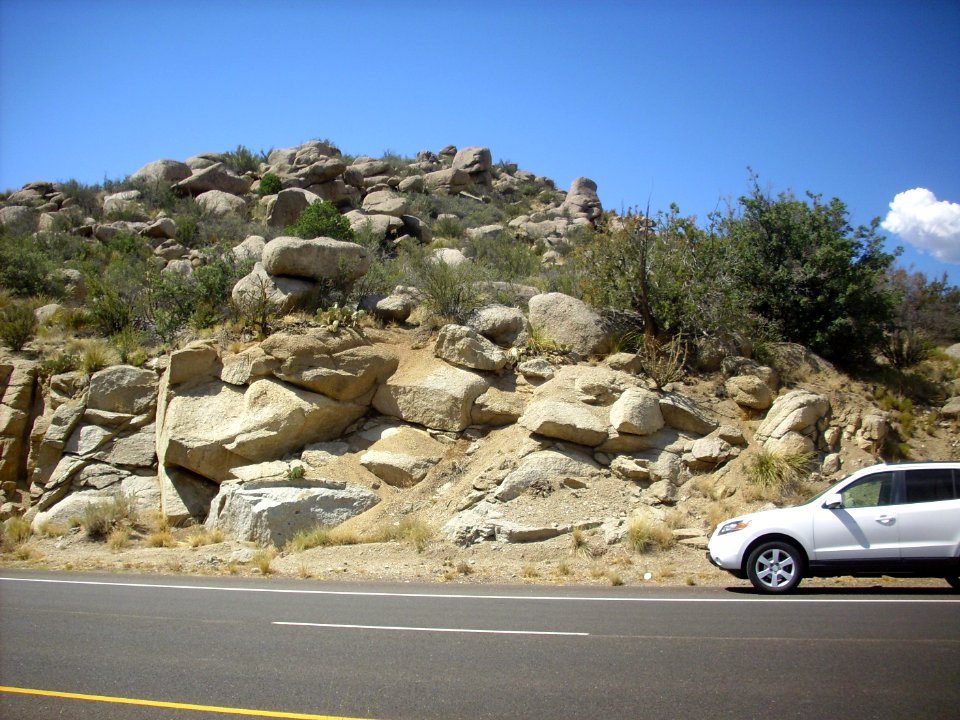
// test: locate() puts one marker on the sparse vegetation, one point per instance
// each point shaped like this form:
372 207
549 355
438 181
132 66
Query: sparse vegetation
775 473
99 519
644 535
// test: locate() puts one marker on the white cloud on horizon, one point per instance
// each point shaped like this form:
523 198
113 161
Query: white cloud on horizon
928 224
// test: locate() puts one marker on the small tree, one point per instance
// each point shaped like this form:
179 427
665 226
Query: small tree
321 219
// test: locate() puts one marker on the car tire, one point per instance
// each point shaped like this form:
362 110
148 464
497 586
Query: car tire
775 567
954 581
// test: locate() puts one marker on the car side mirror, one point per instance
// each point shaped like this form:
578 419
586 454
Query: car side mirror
833 502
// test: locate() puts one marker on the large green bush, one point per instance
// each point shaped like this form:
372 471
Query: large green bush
321 219
821 282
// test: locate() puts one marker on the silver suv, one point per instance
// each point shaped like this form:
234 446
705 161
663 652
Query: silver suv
895 520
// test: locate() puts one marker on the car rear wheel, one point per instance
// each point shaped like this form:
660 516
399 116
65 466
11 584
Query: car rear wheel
775 567
954 581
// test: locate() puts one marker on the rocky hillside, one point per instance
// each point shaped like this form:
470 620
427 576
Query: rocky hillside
465 410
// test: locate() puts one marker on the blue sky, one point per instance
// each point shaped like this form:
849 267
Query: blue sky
658 102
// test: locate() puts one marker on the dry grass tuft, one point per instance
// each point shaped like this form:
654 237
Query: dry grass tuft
644 535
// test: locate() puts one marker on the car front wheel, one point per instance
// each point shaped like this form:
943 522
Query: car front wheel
775 567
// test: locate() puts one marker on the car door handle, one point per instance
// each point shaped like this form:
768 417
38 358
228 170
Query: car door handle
886 519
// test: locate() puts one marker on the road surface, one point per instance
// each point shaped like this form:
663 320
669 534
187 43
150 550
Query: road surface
83 645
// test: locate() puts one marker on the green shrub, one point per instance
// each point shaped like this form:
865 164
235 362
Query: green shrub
243 160
25 267
18 325
450 291
448 227
270 184
321 219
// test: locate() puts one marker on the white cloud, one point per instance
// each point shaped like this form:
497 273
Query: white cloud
926 223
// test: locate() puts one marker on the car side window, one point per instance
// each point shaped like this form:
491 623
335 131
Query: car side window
930 485
871 491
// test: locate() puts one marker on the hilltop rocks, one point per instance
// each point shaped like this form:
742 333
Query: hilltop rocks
162 171
476 162
582 200
213 177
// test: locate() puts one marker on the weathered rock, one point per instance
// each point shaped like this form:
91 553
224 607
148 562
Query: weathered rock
260 290
547 466
18 219
506 326
476 162
403 458
637 411
450 256
448 181
564 420
395 307
217 203
184 495
126 202
379 226
385 202
273 515
162 171
164 227
339 365
570 322
460 345
798 411
315 259
243 367
537 369
749 391
437 396
17 390
683 414
285 208
582 200
210 429
250 249
214 177
123 389
496 407
951 408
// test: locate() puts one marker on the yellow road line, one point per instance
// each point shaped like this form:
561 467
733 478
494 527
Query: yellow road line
173 705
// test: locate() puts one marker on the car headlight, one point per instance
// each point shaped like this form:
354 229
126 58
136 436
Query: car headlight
733 526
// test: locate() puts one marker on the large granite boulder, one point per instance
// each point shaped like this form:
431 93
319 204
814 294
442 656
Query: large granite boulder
217 203
273 515
794 414
211 428
435 395
570 322
214 177
637 412
260 289
162 171
123 389
316 259
573 422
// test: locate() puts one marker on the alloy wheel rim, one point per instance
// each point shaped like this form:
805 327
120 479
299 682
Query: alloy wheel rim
775 568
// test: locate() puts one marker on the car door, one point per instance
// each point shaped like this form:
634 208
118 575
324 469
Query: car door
865 529
929 517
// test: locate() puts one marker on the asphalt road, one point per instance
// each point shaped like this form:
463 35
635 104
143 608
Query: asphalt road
425 651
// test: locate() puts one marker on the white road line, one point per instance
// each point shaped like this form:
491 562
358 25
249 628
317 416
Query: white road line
431 629
465 596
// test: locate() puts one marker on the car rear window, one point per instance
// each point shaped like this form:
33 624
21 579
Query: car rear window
930 485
